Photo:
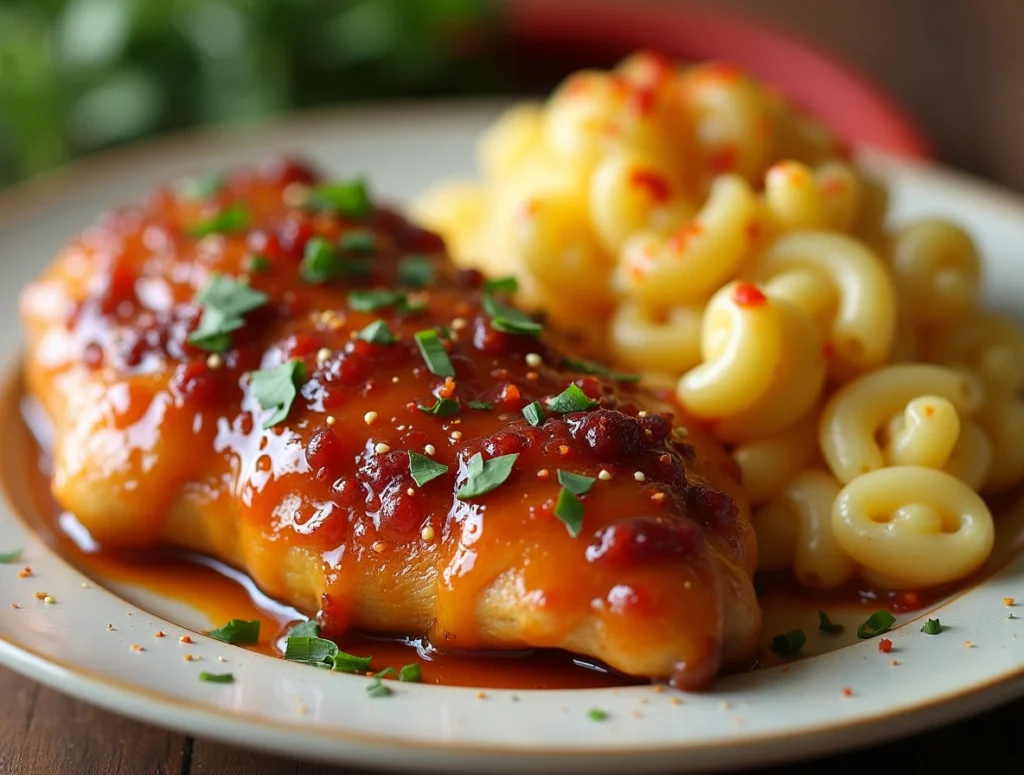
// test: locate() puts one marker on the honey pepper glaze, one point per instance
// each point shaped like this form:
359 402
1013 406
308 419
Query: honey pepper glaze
160 441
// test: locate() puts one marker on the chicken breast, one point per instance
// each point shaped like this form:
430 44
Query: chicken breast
276 372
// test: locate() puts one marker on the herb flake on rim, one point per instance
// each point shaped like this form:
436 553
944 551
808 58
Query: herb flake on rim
442 407
223 301
422 469
596 714
572 399
6 558
485 476
350 198
309 648
827 625
378 688
377 333
238 632
217 678
534 414
789 643
433 352
410 673
277 389
415 271
231 219
932 627
879 622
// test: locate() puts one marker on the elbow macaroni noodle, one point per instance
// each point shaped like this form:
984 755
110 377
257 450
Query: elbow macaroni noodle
690 224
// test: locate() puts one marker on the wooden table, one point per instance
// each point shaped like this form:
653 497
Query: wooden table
958 65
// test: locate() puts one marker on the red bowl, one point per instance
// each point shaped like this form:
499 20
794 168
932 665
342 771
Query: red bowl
576 33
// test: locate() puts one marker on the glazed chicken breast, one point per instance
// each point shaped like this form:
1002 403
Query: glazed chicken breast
274 371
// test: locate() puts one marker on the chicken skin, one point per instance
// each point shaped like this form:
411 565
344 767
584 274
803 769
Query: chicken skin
274 371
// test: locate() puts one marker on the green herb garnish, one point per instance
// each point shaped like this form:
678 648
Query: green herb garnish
378 688
876 624
197 188
377 333
217 678
415 271
510 320
572 399
358 241
423 469
257 264
501 285
569 511
371 301
343 662
6 558
577 484
346 197
481 405
534 414
238 632
443 407
485 476
410 674
307 629
277 388
223 302
434 354
789 643
309 648
589 367
320 262
932 627
230 219
827 625
596 714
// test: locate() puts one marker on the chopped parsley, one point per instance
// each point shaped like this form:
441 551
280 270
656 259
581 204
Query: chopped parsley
434 354
217 678
6 558
789 643
534 414
320 262
485 476
879 622
577 484
410 673
371 301
197 188
827 625
358 241
510 320
589 367
596 714
230 219
423 469
345 197
932 627
377 333
572 399
481 405
238 632
415 271
223 301
378 688
257 264
277 388
309 648
307 629
501 285
443 407
569 511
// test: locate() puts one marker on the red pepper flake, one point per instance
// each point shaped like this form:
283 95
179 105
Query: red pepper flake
724 159
847 691
641 100
448 389
929 411
184 639
754 230
722 72
159 634
747 295
655 184
885 645
678 241
25 572
511 396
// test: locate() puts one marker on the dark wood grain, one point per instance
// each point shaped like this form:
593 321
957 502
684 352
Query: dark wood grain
958 65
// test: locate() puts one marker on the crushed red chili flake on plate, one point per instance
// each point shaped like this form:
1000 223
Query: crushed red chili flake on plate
885 645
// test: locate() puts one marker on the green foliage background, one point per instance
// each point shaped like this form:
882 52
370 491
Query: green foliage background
79 75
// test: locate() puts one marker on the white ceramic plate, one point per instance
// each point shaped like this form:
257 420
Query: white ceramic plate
761 717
